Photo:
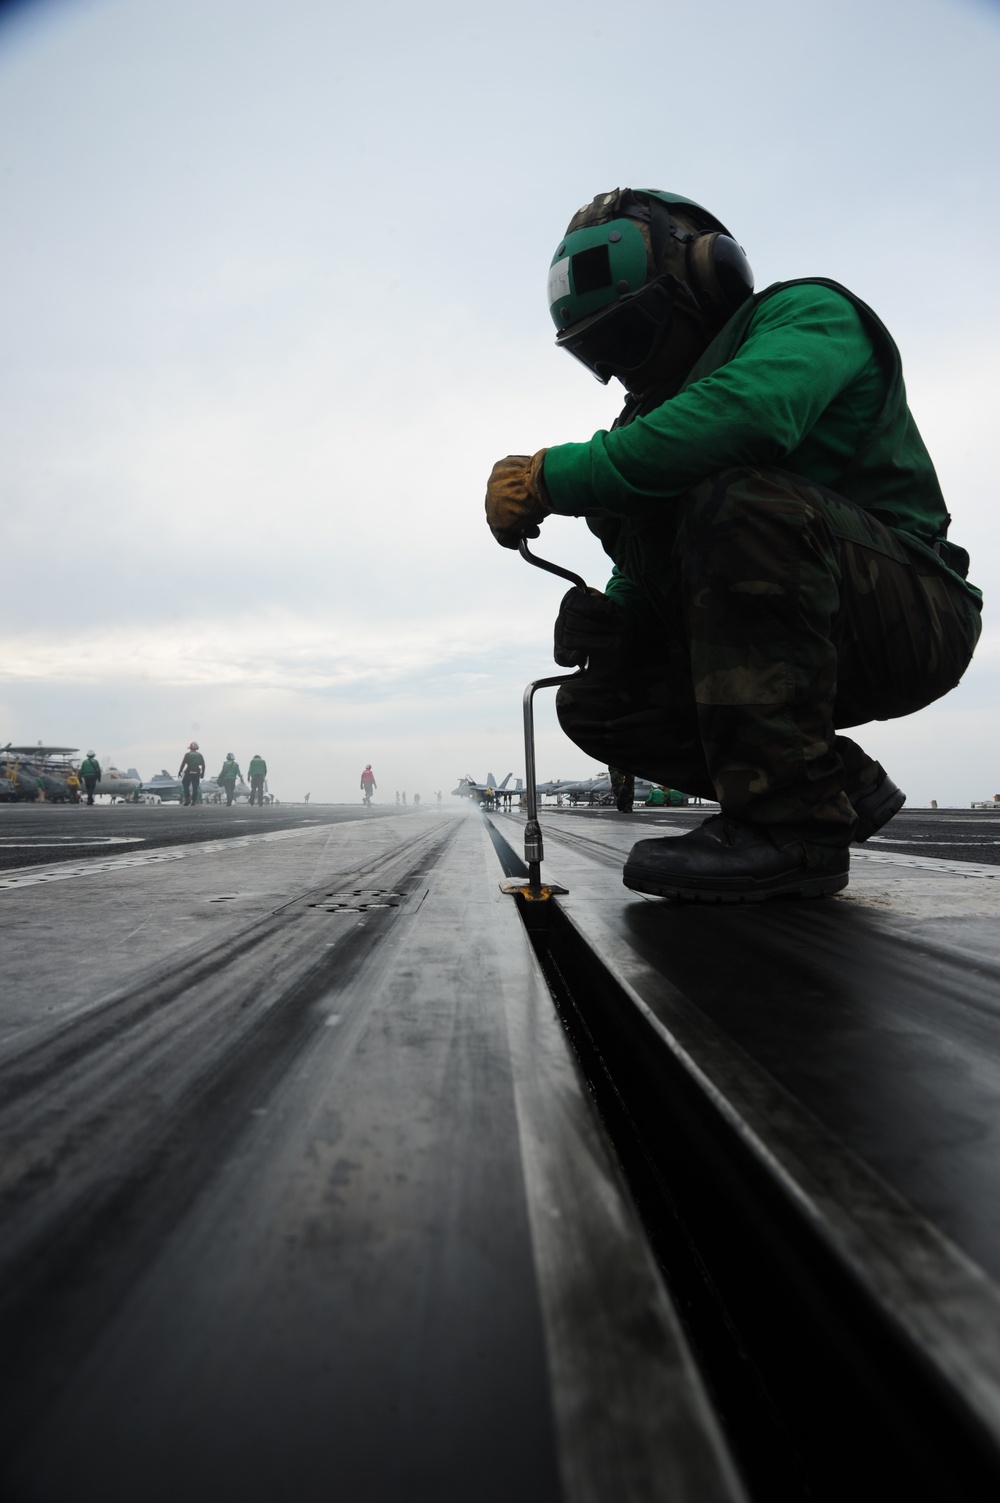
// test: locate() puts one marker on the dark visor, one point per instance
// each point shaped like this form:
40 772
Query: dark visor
627 334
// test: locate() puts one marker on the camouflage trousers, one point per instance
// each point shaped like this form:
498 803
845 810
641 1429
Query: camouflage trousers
787 614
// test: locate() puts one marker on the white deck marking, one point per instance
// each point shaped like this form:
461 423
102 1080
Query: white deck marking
927 863
32 876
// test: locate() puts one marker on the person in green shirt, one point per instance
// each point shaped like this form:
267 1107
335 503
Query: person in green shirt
782 568
191 772
228 777
257 772
90 772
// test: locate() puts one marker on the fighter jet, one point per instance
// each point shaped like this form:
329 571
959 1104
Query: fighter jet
482 793
164 787
212 791
587 790
596 790
170 790
118 784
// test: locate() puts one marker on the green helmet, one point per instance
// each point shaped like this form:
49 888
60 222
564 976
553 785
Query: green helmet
626 259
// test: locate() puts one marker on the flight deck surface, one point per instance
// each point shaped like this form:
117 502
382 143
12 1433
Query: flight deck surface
40 834
328 1169
880 1011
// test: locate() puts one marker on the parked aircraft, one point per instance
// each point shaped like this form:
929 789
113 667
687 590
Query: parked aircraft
586 789
482 792
23 767
212 791
164 787
170 790
596 790
118 784
573 788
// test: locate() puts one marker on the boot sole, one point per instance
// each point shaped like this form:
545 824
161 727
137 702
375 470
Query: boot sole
754 892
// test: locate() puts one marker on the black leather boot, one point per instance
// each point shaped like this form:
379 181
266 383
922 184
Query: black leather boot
875 804
726 861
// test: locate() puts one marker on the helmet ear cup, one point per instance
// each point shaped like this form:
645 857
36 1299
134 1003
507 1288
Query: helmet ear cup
719 274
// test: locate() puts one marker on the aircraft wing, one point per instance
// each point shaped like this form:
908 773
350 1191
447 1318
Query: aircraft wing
38 750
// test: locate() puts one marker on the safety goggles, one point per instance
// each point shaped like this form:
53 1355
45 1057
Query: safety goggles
621 338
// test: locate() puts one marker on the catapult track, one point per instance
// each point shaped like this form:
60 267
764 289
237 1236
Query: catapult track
328 1168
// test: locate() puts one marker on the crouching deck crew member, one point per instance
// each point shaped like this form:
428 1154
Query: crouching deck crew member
782 567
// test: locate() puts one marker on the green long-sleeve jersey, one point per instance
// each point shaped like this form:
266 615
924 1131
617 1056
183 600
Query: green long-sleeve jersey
804 377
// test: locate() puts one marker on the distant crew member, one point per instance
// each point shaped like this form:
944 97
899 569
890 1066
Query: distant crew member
228 776
258 772
623 789
416 800
73 784
190 772
368 784
90 772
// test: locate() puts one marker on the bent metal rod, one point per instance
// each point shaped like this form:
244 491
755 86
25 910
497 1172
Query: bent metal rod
533 848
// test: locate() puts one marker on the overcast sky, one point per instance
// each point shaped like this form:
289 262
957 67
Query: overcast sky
273 303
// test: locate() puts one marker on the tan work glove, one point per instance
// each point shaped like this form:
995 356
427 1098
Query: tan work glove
515 498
